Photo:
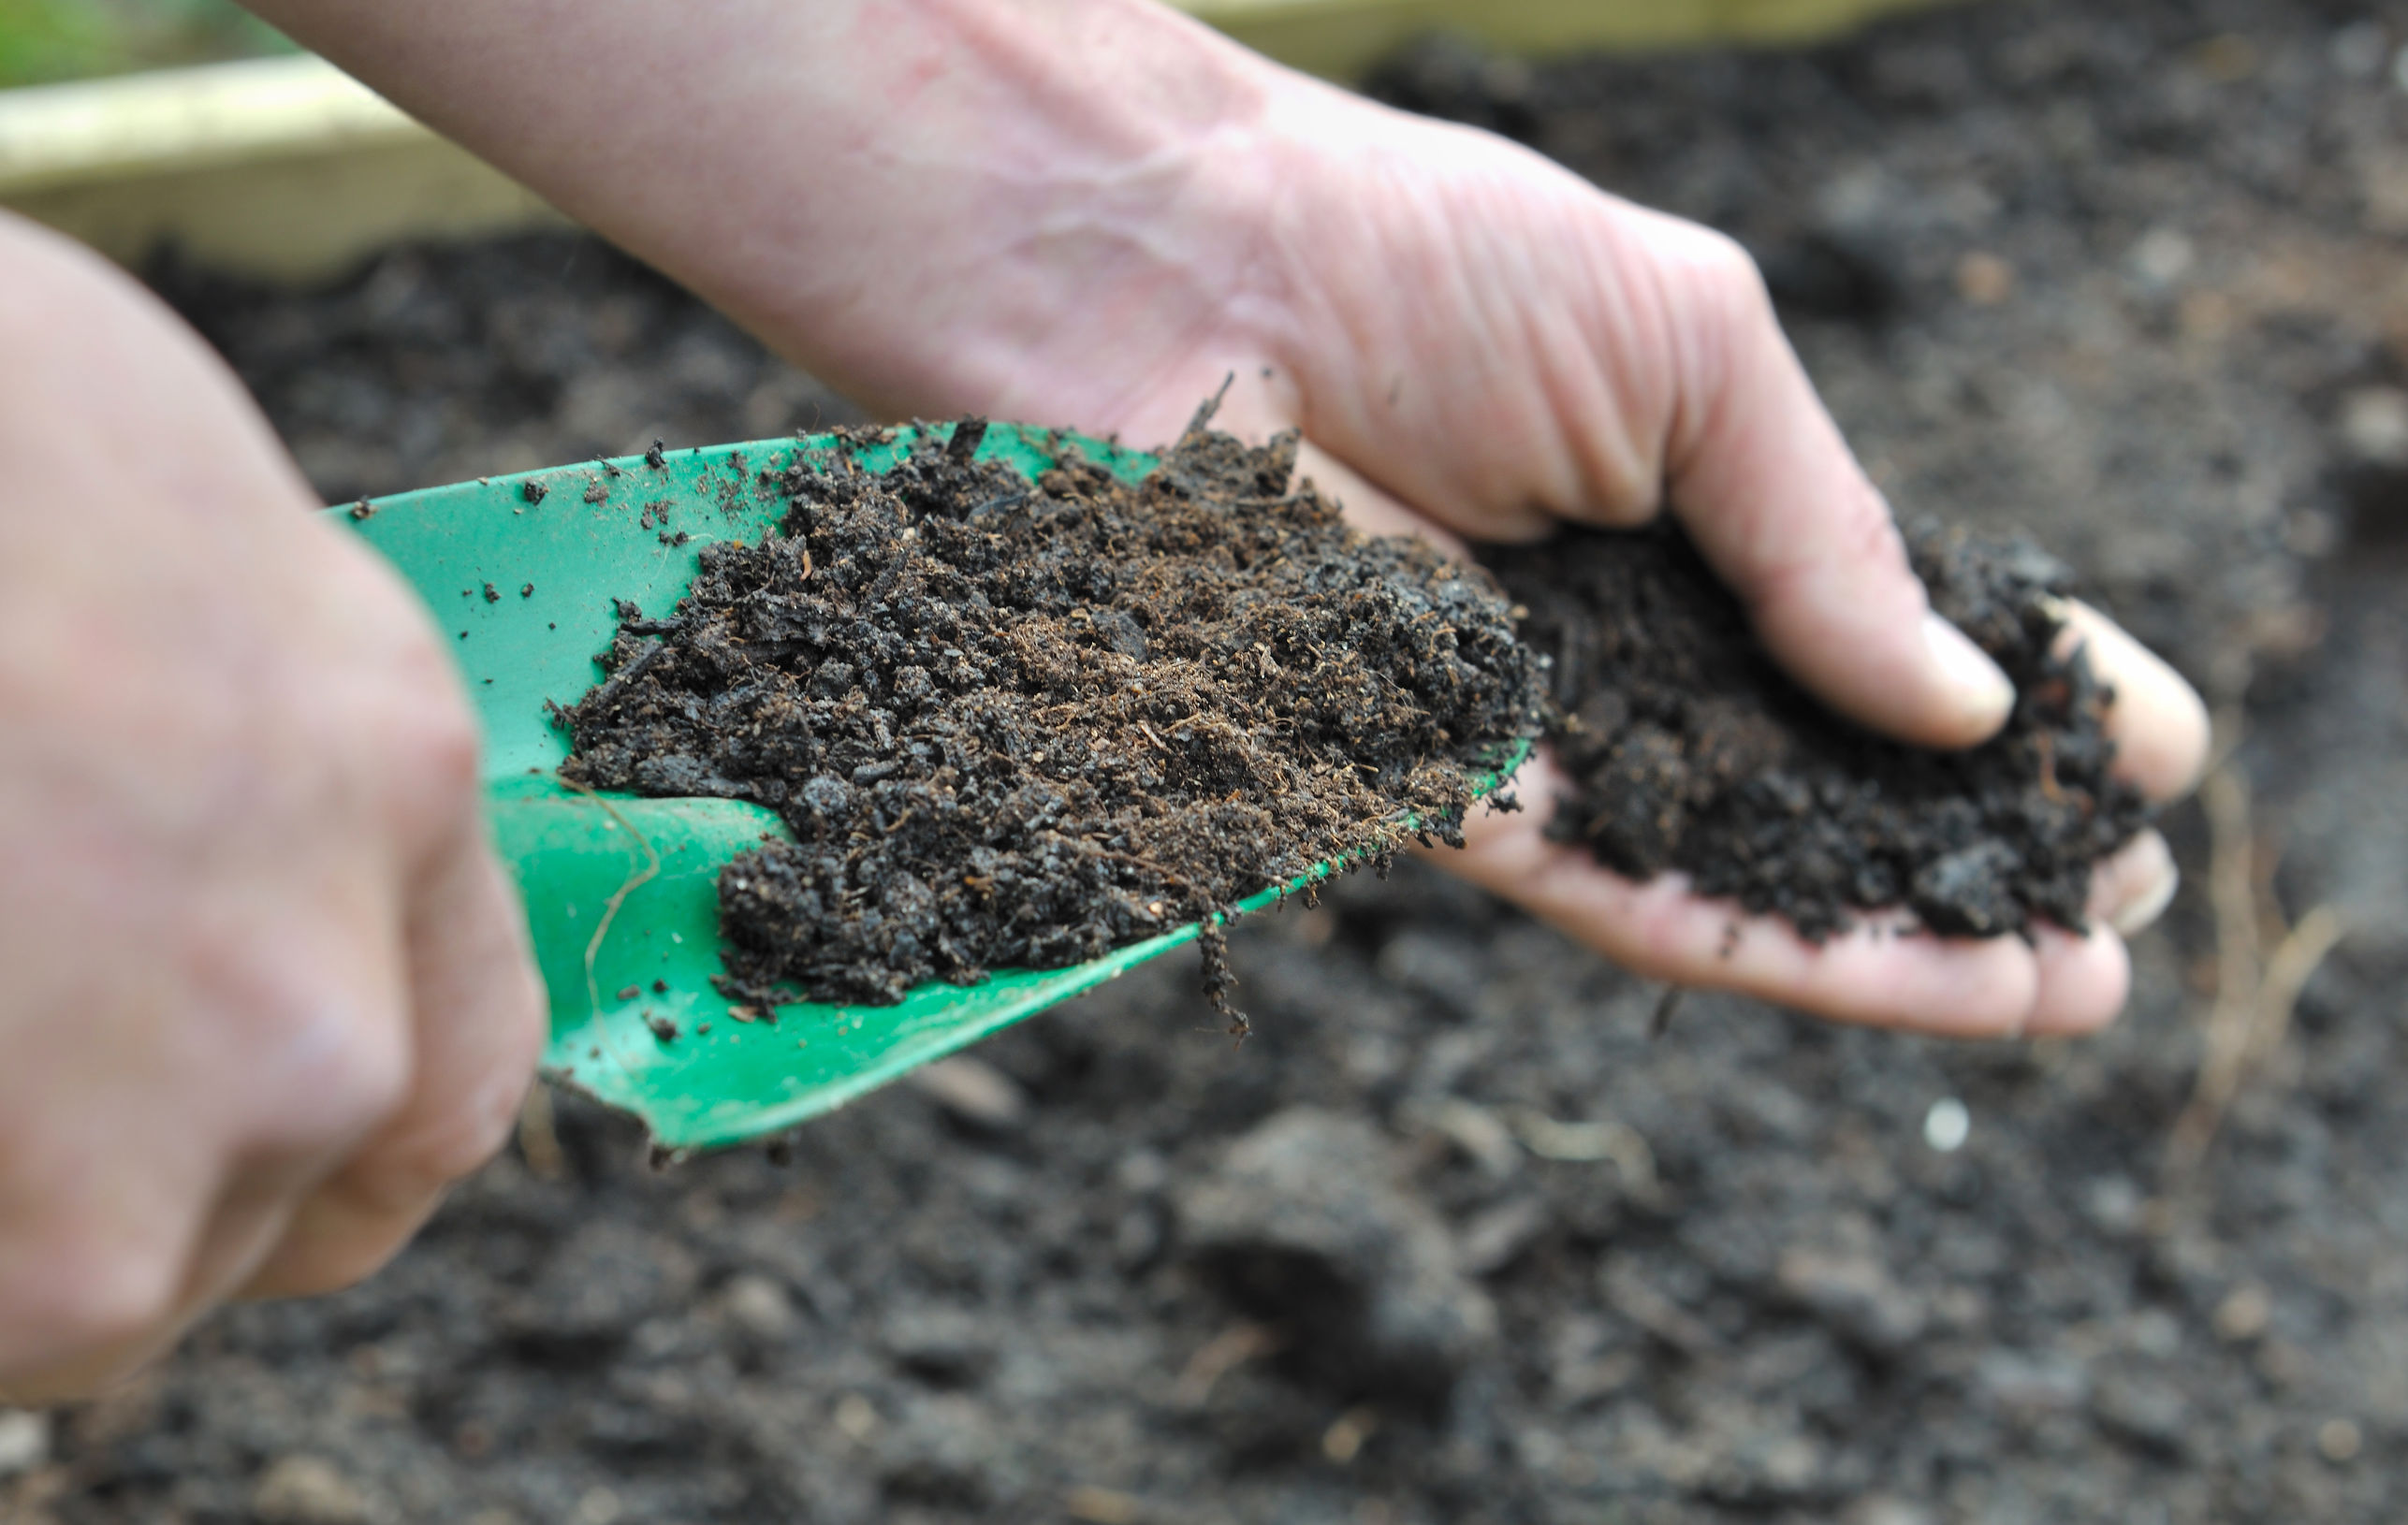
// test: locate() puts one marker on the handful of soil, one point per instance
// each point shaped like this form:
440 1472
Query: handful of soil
1695 752
1021 724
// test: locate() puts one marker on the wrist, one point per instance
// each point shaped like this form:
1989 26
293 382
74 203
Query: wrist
1072 188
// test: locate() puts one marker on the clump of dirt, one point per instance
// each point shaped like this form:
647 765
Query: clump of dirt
1693 751
1018 723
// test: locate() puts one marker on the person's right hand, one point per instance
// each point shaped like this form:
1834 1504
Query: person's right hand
263 988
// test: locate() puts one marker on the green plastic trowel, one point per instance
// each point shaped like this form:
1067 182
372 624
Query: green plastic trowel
622 893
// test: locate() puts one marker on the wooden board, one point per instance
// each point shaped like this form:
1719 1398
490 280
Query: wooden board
288 169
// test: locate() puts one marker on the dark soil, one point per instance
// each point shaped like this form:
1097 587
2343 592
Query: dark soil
1019 724
1693 751
1721 1279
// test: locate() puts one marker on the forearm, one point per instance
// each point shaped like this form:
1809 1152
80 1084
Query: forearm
861 181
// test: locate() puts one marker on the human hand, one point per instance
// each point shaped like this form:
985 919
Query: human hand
1475 342
1090 212
266 989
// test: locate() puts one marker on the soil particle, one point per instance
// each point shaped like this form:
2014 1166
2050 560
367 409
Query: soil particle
1856 1298
1694 752
308 1491
1302 1222
1018 724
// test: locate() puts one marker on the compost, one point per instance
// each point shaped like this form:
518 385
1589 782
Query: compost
1018 724
1691 750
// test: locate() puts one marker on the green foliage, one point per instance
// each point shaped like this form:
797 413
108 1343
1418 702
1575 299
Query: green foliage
46 40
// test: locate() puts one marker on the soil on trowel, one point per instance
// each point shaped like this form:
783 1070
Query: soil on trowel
1019 724
1692 751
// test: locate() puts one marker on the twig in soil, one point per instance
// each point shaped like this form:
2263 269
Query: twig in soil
636 667
1219 1356
635 881
1636 1300
1092 1506
2255 992
1582 1143
1342 1441
1661 1023
1210 407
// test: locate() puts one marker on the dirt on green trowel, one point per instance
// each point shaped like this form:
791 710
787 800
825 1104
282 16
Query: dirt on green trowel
526 573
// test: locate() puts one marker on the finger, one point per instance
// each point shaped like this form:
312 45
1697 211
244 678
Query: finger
1369 508
478 1024
1759 474
2131 888
1877 973
2083 981
2158 722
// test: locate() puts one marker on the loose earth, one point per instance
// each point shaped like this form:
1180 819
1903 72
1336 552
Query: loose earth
1019 724
1694 752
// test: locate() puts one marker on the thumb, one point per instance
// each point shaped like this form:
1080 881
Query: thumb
1775 501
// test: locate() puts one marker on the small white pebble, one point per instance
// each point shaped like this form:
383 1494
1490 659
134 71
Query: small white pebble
2339 1440
856 1417
2163 257
2359 50
24 1441
600 1507
760 1307
1947 1126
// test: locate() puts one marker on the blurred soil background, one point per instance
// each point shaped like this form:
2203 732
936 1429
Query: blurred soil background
1451 1240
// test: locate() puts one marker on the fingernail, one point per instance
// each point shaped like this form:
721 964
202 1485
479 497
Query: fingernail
2156 895
1982 689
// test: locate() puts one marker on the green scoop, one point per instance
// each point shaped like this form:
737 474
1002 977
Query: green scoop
523 573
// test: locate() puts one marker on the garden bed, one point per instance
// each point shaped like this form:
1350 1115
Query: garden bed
2126 277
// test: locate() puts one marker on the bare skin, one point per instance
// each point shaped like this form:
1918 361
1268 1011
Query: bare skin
267 991
263 1006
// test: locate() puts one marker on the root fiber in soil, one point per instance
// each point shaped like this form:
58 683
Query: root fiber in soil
1018 724
1693 751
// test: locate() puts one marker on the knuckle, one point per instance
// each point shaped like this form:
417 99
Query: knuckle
1719 329
1856 545
331 1047
369 1082
1863 532
424 748
444 750
1723 275
360 1083
463 1140
90 1291
403 1172
471 1130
